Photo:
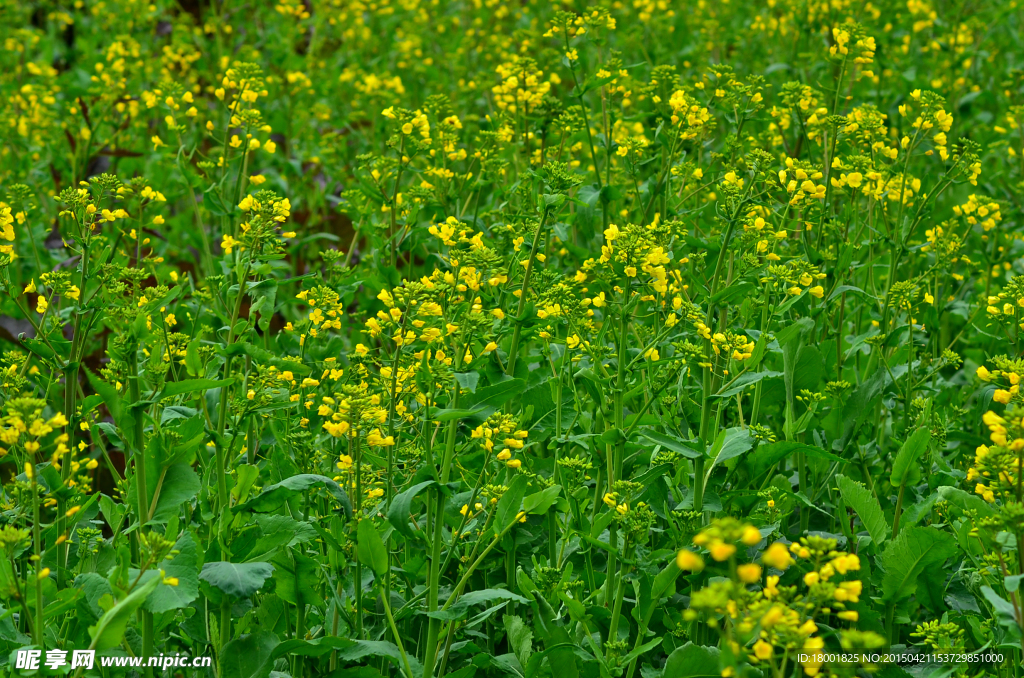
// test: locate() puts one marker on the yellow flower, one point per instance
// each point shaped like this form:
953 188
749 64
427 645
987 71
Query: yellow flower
514 463
336 429
375 439
721 551
777 556
762 650
689 561
751 535
749 573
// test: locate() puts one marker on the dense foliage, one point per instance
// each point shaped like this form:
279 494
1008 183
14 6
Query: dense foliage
466 338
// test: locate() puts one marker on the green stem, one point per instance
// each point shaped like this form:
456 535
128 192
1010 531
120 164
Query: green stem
517 332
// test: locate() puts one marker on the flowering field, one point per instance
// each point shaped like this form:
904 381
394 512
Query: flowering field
476 338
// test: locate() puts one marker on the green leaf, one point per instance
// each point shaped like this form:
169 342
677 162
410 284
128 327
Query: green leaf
508 505
908 455
180 485
274 497
520 638
109 630
401 508
965 501
361 649
867 507
467 380
1004 609
538 503
370 547
193 361
766 456
246 476
176 388
239 580
692 661
250 656
448 415
745 380
497 394
111 398
914 550
279 530
295 578
646 647
460 607
671 442
730 443
182 567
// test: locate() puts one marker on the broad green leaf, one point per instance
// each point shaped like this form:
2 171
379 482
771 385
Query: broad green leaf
295 577
859 405
176 388
867 507
766 456
109 630
460 607
279 530
520 638
908 455
246 475
274 497
906 557
250 656
692 661
401 508
467 380
1005 612
671 442
239 580
361 649
497 394
643 649
538 503
730 443
443 415
508 505
370 547
93 587
178 486
111 398
193 362
965 501
744 380
182 567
